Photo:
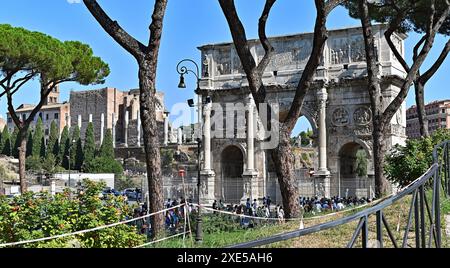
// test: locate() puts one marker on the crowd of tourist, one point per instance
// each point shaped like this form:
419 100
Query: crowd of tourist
318 205
256 211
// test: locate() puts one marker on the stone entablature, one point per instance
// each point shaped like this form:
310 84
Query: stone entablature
344 57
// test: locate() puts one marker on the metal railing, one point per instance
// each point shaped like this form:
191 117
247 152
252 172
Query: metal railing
427 219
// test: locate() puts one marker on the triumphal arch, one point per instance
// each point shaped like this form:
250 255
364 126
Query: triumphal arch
237 165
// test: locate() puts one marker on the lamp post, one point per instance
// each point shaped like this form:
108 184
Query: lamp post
183 70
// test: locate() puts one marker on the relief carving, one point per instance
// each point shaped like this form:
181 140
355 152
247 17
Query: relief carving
357 48
363 130
340 117
362 116
339 51
223 62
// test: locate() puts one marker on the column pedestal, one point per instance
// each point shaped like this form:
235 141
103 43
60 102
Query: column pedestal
207 188
323 184
251 187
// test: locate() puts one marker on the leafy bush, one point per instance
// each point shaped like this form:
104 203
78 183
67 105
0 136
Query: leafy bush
404 164
33 216
104 165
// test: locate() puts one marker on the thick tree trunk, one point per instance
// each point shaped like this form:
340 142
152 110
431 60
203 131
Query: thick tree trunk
22 159
151 144
376 101
420 102
378 158
284 165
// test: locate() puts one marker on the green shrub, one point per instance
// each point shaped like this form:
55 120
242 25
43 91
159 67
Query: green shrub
404 164
33 216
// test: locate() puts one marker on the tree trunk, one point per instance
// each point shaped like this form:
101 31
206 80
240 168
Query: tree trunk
22 136
420 102
151 145
284 165
378 159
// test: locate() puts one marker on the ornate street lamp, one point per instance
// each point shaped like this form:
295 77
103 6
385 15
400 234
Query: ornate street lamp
182 70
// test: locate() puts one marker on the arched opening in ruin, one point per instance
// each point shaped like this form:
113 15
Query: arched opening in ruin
232 161
353 169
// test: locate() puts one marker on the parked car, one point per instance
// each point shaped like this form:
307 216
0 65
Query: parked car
133 194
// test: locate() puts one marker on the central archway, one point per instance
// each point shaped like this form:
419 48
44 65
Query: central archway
353 169
232 161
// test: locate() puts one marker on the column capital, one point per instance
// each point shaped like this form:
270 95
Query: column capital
322 94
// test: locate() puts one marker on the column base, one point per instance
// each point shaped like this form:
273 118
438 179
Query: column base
207 189
250 185
323 183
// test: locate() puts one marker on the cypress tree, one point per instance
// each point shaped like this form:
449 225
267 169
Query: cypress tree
38 138
64 148
76 150
6 143
53 140
107 148
89 144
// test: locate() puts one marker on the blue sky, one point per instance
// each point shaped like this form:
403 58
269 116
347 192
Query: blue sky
188 24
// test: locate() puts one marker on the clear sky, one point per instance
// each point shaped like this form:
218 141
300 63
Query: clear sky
188 24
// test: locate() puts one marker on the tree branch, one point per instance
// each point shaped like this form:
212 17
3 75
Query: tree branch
320 38
393 26
437 64
129 43
243 49
412 75
268 48
417 47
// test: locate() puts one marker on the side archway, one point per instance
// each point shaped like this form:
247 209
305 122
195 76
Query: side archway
232 162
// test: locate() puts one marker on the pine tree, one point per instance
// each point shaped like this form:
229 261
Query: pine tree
38 137
53 140
64 148
107 148
5 145
15 142
89 144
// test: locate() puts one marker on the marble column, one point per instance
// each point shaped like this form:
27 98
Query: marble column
102 127
138 129
79 121
323 174
207 137
90 118
166 130
250 174
207 194
127 121
322 99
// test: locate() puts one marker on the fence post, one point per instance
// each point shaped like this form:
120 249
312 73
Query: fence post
438 209
380 228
